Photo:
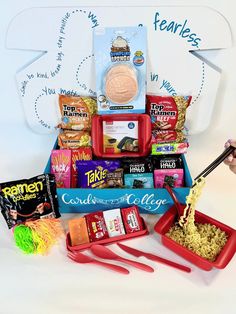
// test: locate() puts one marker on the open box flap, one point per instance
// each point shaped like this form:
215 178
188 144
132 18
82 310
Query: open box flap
67 66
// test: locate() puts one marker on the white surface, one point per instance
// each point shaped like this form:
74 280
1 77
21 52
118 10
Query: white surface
53 284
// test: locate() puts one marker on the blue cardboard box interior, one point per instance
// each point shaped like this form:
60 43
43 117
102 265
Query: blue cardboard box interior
149 201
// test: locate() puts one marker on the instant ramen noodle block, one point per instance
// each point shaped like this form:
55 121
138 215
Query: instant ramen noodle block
167 112
61 167
29 199
74 139
76 112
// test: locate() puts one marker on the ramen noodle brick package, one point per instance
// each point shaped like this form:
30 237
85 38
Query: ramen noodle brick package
131 219
83 153
96 225
29 199
93 173
167 112
61 167
74 139
138 173
76 112
168 170
120 55
114 222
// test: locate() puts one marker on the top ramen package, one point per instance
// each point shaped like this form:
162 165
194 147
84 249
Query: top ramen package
120 55
167 112
76 112
34 198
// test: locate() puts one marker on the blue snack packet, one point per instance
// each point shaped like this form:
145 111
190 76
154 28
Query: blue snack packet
93 173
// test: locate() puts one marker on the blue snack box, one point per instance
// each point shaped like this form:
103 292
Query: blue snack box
149 201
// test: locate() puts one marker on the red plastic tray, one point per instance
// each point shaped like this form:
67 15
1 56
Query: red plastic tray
108 240
144 134
227 253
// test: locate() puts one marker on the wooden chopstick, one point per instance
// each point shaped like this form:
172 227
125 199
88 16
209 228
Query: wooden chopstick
216 162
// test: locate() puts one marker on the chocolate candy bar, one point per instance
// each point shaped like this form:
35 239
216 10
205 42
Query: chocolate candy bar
34 198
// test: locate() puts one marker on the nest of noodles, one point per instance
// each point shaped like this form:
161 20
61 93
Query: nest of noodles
207 240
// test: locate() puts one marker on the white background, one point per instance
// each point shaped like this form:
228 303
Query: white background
53 284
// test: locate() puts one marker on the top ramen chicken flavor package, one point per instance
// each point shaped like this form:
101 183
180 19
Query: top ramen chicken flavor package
34 198
120 69
167 112
76 112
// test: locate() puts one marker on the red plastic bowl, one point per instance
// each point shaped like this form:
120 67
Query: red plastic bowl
167 221
144 134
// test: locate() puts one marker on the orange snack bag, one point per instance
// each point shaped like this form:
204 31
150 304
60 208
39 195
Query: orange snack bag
76 112
78 231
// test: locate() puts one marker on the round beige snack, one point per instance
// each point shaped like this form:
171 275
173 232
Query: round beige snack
121 84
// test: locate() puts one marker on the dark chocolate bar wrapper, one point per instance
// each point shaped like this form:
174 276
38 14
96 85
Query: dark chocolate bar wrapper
168 162
27 199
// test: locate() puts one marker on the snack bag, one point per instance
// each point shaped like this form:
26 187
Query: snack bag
120 69
167 112
168 170
83 153
76 112
138 173
74 139
34 198
93 173
61 167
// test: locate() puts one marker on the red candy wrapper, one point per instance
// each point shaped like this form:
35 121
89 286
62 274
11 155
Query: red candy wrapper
96 225
167 136
131 219
167 112
83 153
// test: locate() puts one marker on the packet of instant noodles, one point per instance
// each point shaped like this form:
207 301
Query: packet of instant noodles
167 112
76 112
74 139
34 198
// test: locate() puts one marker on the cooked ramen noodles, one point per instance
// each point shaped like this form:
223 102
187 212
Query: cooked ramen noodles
205 240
